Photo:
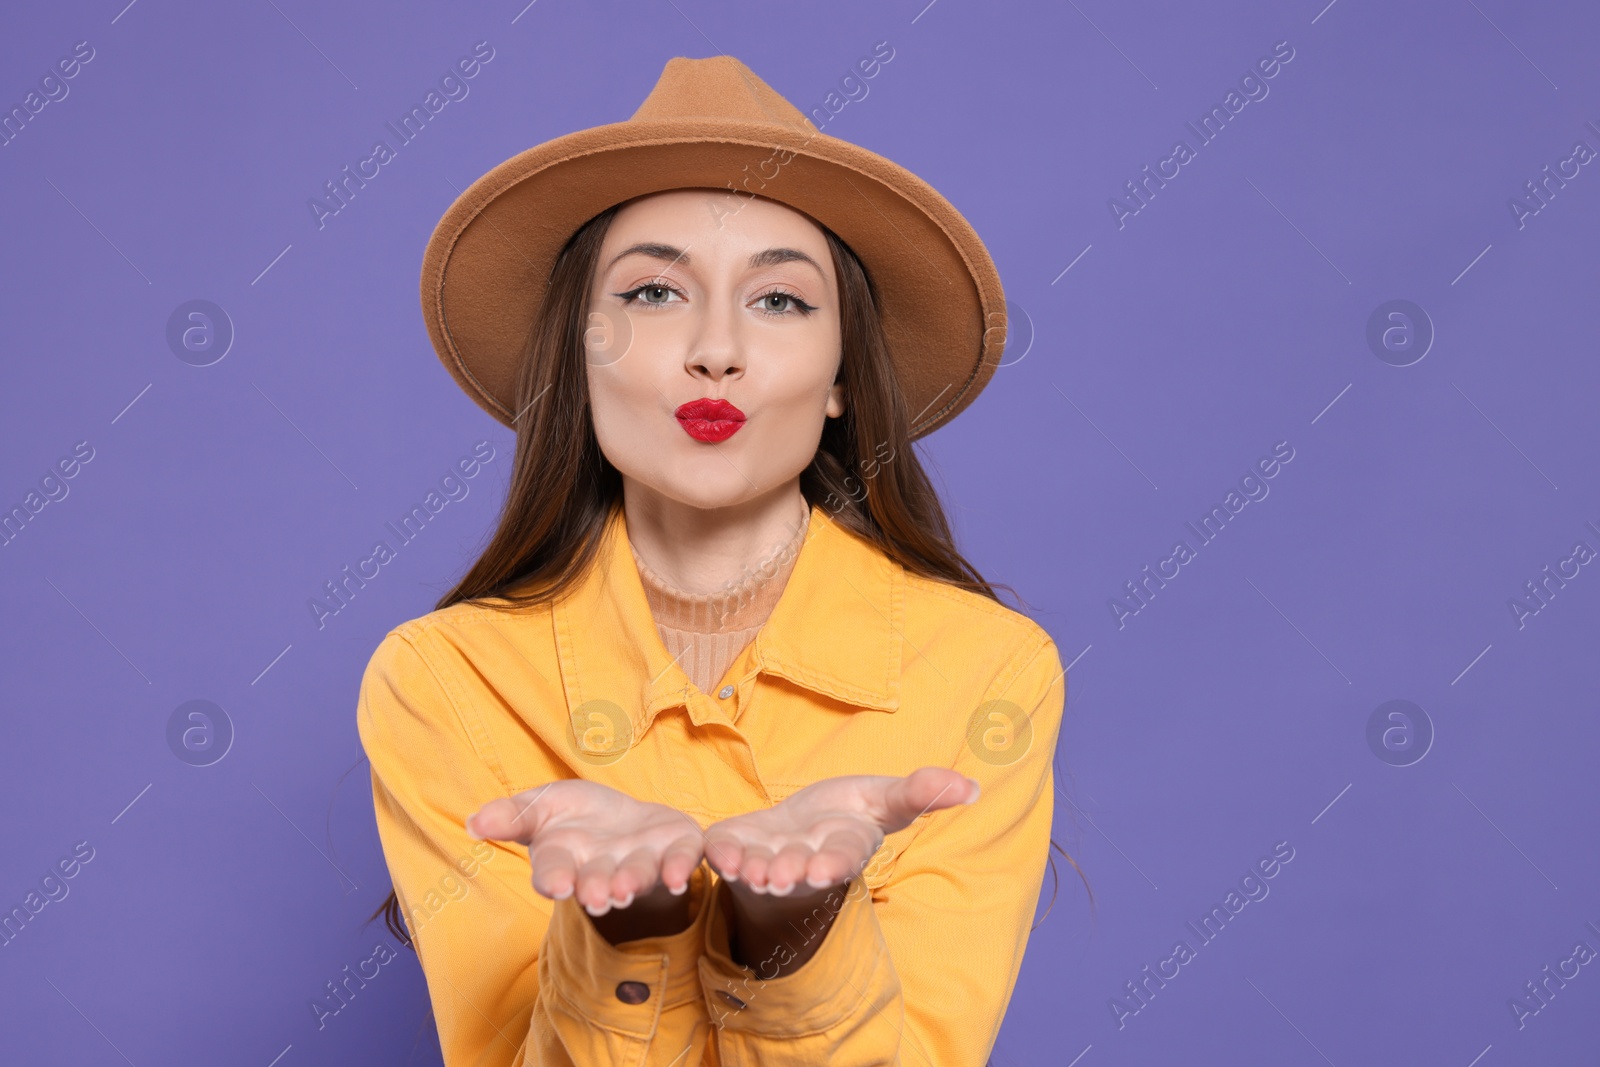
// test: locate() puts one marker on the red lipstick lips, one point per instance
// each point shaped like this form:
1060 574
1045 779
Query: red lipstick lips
709 420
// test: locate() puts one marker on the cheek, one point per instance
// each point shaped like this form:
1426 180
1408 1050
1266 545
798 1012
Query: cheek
621 406
791 440
800 363
630 406
793 413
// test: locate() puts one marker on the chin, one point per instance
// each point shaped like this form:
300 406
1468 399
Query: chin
706 481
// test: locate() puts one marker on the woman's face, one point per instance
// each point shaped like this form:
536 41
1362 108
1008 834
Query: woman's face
702 300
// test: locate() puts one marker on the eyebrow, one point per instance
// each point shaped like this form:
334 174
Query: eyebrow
769 257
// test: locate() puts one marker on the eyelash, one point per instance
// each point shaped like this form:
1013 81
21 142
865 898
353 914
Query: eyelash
631 297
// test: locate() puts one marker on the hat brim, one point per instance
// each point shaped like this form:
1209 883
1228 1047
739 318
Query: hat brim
488 262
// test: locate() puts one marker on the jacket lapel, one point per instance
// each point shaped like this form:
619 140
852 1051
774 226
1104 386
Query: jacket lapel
836 629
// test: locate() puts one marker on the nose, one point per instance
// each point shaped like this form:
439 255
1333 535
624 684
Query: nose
716 350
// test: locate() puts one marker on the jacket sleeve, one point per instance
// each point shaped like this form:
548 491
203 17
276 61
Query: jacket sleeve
919 972
512 980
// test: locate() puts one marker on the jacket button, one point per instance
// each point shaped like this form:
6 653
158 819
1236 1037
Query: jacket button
725 692
733 1001
633 992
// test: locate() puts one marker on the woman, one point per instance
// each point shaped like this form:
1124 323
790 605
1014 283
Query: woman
721 753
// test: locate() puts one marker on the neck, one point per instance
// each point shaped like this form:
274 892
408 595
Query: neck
702 550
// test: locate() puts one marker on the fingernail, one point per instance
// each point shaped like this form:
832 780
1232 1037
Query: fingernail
470 831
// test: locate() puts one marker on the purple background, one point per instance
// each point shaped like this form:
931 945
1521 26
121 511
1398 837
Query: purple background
1228 314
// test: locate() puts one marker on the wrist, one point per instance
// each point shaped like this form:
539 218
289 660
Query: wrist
657 913
766 931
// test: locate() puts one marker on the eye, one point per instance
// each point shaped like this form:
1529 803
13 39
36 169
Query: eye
778 302
655 294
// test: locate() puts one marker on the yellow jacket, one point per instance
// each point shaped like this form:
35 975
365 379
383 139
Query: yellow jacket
862 668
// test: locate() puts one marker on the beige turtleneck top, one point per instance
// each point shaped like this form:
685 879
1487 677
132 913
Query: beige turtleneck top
705 632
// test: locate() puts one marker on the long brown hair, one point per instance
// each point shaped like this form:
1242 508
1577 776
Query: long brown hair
563 488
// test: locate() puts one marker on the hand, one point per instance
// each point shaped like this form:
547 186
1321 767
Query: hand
825 833
592 842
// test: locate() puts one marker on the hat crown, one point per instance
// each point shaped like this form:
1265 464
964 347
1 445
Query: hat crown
720 87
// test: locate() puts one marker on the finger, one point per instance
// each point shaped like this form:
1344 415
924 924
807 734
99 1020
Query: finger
679 861
842 855
635 875
514 818
594 884
555 871
923 791
788 868
753 868
725 853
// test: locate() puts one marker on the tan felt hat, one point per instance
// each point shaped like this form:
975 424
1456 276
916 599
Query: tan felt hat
713 123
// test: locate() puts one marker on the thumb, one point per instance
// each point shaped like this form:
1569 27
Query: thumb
926 790
516 818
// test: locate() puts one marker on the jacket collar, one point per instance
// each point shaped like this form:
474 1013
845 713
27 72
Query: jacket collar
836 629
